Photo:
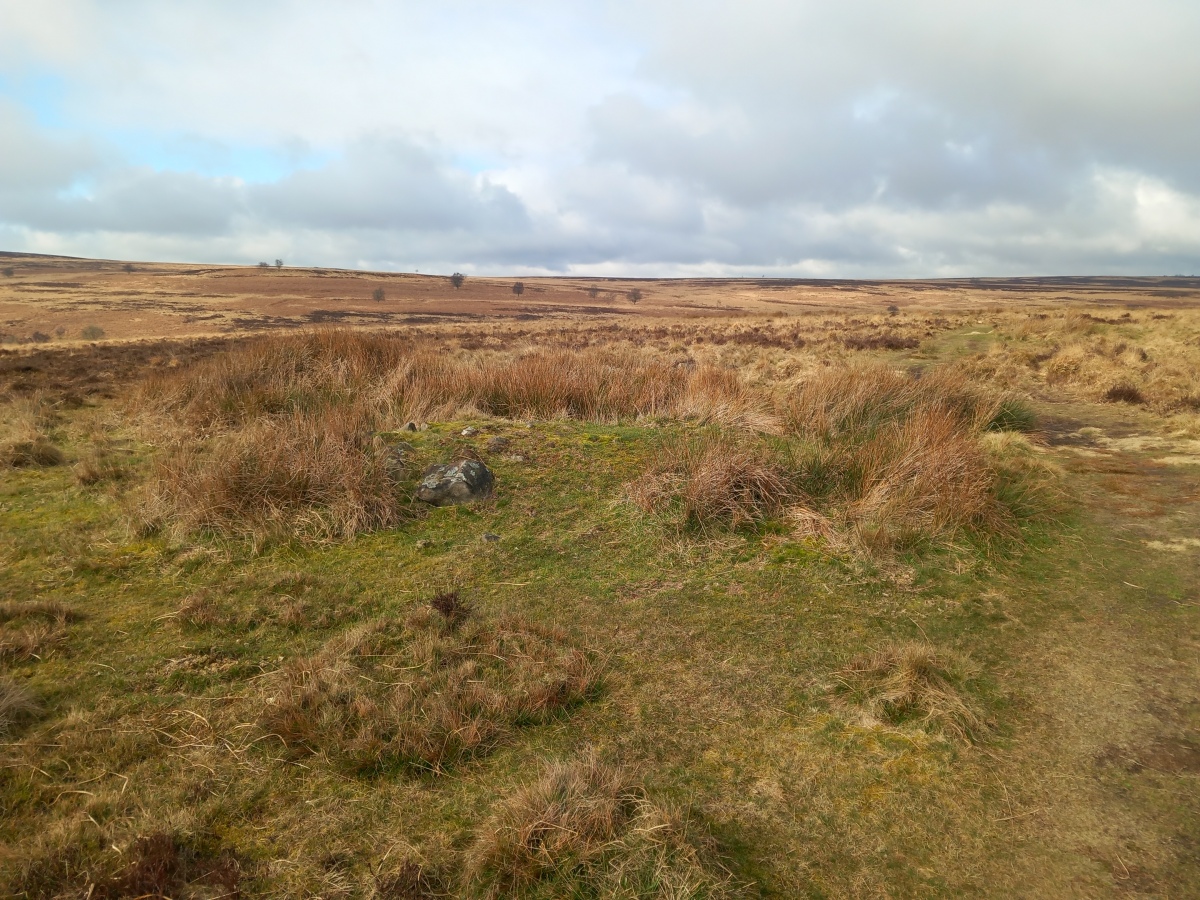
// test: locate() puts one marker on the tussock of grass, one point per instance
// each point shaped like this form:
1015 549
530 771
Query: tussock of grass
30 641
29 628
322 474
82 861
1124 393
38 452
926 478
913 683
424 693
98 466
16 703
875 460
408 880
585 829
714 480
48 610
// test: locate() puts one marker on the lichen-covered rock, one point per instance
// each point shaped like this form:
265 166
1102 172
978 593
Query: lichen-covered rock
460 482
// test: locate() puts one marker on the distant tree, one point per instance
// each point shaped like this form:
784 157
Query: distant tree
40 337
9 271
60 331
634 295
92 333
264 265
893 309
593 292
457 279
518 288
128 267
377 294
279 263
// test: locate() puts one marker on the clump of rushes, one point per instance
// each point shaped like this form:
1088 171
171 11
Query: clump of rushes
452 607
425 693
585 828
913 683
1124 392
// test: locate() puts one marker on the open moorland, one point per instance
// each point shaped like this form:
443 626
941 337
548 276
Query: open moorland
782 588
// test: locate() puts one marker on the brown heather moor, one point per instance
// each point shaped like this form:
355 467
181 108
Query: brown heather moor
786 589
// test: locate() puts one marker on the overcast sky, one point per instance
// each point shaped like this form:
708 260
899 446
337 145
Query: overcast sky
862 138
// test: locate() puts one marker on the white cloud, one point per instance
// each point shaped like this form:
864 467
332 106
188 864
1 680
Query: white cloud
759 136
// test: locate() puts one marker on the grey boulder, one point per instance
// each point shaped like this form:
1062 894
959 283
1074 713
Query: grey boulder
460 482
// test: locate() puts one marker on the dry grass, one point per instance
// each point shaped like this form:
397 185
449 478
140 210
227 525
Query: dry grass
318 473
1150 360
853 401
924 478
38 452
913 683
97 466
427 692
30 641
28 443
585 828
16 703
31 627
280 432
85 861
876 460
48 610
714 480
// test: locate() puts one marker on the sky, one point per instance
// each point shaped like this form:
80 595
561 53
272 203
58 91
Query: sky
857 139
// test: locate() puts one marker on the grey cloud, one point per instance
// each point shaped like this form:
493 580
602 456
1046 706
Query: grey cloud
388 184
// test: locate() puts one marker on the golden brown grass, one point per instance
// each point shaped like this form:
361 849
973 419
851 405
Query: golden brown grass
424 693
714 479
321 473
278 375
27 441
913 683
280 433
585 828
875 459
49 610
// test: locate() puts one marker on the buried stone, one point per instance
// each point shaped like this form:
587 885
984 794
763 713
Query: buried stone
460 482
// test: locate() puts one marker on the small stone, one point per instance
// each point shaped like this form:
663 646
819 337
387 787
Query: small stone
398 455
411 426
498 444
490 537
469 431
459 482
424 544
515 457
